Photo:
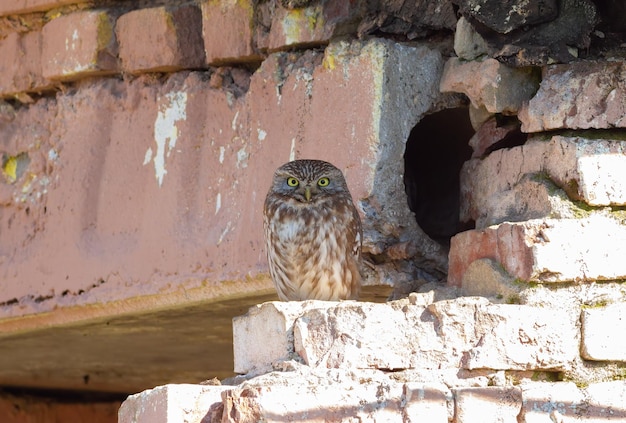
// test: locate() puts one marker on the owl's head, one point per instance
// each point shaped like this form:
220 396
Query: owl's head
308 181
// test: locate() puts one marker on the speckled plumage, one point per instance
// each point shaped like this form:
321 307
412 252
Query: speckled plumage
313 240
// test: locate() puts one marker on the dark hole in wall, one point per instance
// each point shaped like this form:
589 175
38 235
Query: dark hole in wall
435 151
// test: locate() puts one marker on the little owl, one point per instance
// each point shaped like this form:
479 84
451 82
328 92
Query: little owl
313 233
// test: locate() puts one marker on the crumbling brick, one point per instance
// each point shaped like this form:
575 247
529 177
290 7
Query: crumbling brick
20 67
161 39
78 45
546 250
174 403
543 179
580 95
228 30
489 83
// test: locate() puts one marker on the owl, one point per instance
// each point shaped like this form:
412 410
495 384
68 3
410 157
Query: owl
313 233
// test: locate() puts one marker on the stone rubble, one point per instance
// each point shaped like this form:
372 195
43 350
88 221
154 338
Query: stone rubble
453 360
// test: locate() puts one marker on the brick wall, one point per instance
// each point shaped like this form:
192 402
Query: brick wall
145 154
138 141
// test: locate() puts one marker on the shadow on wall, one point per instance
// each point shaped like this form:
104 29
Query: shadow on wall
435 151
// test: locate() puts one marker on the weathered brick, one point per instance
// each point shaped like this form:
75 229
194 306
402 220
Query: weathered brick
20 67
486 278
590 95
602 333
79 44
489 133
500 404
377 336
523 182
172 42
16 7
489 83
549 402
425 402
174 403
269 328
228 32
546 250
605 401
520 337
315 24
366 335
328 395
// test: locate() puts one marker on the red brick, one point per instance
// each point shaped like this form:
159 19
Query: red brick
161 39
590 95
497 87
228 32
546 250
79 44
316 24
20 67
16 7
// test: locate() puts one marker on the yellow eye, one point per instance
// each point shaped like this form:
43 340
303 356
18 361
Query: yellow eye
292 182
323 182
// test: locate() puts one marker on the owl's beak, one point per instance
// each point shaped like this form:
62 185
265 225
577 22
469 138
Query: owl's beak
307 193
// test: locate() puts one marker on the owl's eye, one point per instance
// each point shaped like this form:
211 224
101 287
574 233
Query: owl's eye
292 182
323 182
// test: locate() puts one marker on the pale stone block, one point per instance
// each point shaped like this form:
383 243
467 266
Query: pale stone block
304 396
603 179
425 402
368 335
491 403
606 402
546 250
520 337
468 44
603 330
174 403
396 336
489 83
544 402
265 334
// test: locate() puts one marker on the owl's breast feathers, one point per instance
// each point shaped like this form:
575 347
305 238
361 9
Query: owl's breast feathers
314 250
